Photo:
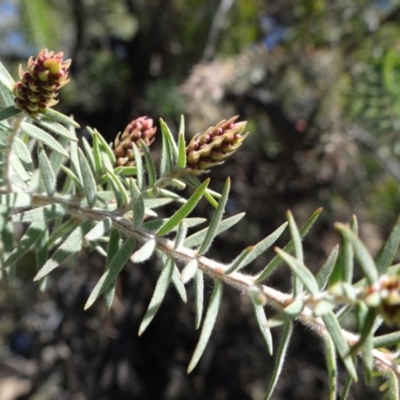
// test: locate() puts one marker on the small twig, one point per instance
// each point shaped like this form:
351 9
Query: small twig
242 282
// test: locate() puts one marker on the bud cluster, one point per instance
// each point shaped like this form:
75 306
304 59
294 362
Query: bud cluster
210 148
139 128
39 85
386 294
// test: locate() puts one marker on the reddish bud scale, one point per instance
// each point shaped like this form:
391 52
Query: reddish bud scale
39 85
139 128
210 148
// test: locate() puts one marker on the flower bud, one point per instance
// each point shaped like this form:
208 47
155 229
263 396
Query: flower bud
39 85
212 147
139 128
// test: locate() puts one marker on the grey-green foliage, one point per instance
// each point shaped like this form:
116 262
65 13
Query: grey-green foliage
113 210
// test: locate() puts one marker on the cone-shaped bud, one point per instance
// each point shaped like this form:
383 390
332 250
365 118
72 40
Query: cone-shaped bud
210 148
139 128
39 85
388 288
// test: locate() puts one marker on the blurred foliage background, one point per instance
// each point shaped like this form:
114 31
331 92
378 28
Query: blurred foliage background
319 84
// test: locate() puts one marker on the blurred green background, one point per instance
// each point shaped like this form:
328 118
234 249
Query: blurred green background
319 84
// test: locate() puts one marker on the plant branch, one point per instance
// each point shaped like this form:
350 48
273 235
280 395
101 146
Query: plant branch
243 282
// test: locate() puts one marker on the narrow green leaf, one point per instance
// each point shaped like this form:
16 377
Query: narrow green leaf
112 250
198 296
216 218
280 359
298 251
73 177
388 251
198 237
23 153
208 325
262 246
261 318
19 168
330 356
301 271
179 286
139 168
99 230
189 271
393 389
145 252
151 168
99 168
181 161
32 234
40 214
88 155
181 129
89 183
42 136
155 224
289 313
113 245
184 210
325 272
274 263
9 112
365 321
47 173
57 159
104 146
387 340
238 262
363 256
335 332
180 234
60 232
56 116
41 250
195 183
71 245
158 296
155 203
137 205
167 156
58 129
16 200
121 194
6 79
113 269
346 387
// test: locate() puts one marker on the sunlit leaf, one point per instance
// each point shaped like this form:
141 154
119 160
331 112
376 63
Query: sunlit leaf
89 183
280 358
274 263
47 173
325 272
42 136
198 237
261 318
208 324
216 219
69 247
40 214
113 269
160 290
30 237
301 271
363 256
335 332
184 210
